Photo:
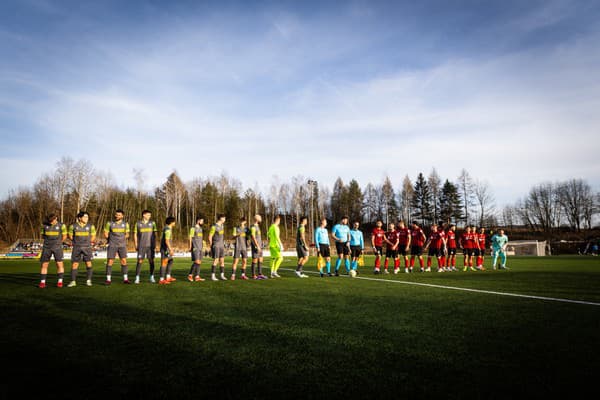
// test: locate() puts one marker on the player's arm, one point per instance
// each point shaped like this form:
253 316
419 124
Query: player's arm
93 233
70 233
253 237
372 240
211 233
126 231
317 240
362 242
63 231
303 238
190 236
408 241
427 243
106 230
168 241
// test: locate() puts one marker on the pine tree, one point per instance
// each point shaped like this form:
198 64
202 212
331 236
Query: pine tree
421 201
450 203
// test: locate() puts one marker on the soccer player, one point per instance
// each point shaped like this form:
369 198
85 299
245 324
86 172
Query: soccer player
217 246
403 247
82 234
481 238
196 249
467 243
256 246
54 234
391 246
435 243
240 234
144 238
117 233
417 239
322 244
275 247
377 242
341 235
499 243
301 247
442 232
451 246
166 252
357 244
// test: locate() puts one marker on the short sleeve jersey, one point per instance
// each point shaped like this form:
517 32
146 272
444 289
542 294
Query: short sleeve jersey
82 234
403 235
52 234
241 236
218 232
116 233
167 234
435 240
196 233
481 240
391 236
417 237
356 238
301 230
378 235
146 233
499 241
255 232
273 235
451 235
341 232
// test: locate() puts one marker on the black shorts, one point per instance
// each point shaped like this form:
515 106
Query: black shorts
324 250
145 252
256 253
342 248
477 252
451 251
390 253
435 252
197 254
112 252
356 251
468 252
416 250
164 254
242 252
302 251
378 250
80 253
48 252
402 249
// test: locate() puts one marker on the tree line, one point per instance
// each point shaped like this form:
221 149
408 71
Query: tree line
75 185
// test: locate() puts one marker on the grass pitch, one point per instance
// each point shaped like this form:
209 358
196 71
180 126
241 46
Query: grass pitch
303 338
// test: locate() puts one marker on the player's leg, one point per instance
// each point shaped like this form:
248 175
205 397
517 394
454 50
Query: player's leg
138 265
75 259
164 260
222 264
244 264
123 259
236 257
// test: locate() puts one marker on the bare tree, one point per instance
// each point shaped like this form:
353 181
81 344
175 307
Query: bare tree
576 199
62 174
485 200
81 182
465 186
541 209
406 195
435 187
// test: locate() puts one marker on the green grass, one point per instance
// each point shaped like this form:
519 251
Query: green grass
303 338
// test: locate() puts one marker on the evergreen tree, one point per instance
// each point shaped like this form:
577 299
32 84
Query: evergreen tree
450 203
421 201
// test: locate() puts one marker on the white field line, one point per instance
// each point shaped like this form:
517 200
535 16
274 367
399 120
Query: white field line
525 296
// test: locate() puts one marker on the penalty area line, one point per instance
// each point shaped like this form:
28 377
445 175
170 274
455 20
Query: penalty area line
525 296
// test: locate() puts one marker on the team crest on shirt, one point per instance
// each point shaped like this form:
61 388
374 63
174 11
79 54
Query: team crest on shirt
87 228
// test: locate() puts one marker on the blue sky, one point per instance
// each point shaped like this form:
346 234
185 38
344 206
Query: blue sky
509 90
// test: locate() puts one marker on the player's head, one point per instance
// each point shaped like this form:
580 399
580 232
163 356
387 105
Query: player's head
83 217
146 215
379 223
303 220
243 221
257 219
199 220
453 227
51 219
400 224
119 214
434 228
355 225
344 220
482 230
170 221
468 228
277 219
501 232
221 218
323 222
391 226
415 225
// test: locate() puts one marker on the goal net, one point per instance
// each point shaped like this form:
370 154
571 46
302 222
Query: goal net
526 248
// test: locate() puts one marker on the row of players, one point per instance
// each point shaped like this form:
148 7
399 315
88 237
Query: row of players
348 241
441 244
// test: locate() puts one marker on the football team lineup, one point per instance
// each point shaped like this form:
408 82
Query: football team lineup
398 241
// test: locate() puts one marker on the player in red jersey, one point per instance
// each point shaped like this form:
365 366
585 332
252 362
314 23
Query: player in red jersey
403 246
377 243
435 243
451 248
391 246
417 239
442 232
467 242
481 238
